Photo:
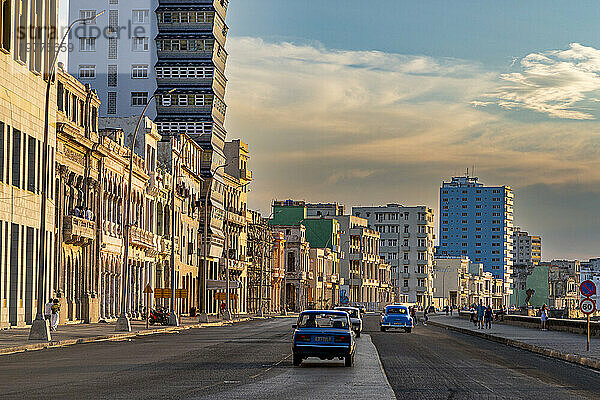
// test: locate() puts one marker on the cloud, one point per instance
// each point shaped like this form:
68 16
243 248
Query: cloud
367 127
556 83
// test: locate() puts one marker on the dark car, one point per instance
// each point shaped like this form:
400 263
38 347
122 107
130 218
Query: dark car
325 334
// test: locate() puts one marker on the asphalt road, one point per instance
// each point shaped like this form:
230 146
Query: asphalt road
434 363
250 360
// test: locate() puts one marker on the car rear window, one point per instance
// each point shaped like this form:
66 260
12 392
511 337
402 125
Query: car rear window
397 311
353 313
324 320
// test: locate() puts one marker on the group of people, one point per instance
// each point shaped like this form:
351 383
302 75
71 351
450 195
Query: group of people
52 312
482 316
85 213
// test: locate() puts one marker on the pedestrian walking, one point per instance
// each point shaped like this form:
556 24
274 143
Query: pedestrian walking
544 318
48 310
425 317
488 315
480 312
451 307
55 312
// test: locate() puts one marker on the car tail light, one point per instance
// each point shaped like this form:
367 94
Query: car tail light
342 339
303 338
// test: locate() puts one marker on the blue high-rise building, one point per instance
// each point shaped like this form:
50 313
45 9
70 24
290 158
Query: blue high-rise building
477 221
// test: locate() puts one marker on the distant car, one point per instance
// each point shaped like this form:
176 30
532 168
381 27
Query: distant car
326 334
398 317
355 318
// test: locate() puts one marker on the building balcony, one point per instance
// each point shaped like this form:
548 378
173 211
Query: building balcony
406 248
405 262
422 248
406 275
421 289
164 246
142 238
421 275
78 230
183 109
405 289
406 235
246 174
152 186
422 234
236 218
422 262
296 275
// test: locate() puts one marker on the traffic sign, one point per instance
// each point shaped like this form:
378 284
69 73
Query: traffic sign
587 306
587 288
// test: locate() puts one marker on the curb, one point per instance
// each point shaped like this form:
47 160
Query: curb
572 358
114 337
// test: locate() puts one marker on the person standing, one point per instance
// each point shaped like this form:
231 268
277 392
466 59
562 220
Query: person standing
425 316
480 312
488 315
48 310
544 318
55 314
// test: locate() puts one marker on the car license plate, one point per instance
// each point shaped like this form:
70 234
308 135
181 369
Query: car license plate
323 339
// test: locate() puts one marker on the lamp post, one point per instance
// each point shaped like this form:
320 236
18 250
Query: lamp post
203 289
40 329
123 324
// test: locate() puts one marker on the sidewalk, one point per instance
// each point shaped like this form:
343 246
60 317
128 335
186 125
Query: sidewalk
17 339
562 345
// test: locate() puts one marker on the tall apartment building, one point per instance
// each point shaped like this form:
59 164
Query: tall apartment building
24 63
477 221
149 47
406 242
527 249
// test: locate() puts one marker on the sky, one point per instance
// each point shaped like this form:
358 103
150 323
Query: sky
369 103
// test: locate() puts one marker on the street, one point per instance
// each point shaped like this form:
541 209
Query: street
252 360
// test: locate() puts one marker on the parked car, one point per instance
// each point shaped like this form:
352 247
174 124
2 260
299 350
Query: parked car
355 318
326 334
398 317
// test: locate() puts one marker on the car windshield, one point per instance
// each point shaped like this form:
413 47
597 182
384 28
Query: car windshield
324 320
397 311
353 313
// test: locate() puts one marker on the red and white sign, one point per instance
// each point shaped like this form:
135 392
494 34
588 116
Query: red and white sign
587 306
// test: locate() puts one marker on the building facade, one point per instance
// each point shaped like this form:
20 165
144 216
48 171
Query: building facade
25 61
451 281
296 285
527 249
477 221
406 243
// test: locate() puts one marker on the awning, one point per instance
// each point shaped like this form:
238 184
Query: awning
218 284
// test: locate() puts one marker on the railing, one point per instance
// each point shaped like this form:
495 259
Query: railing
77 229
141 237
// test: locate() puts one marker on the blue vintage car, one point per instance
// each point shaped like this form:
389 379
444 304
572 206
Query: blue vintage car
396 316
326 334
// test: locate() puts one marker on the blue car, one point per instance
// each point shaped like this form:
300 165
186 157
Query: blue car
396 316
326 334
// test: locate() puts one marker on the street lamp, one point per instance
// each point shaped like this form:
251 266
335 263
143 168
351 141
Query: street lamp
202 276
40 329
123 324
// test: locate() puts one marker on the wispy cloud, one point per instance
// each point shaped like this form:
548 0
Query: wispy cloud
371 127
557 83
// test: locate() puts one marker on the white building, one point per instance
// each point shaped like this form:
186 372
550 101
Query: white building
406 242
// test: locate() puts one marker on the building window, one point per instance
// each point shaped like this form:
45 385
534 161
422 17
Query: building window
140 44
111 107
5 24
87 71
87 15
140 16
139 71
113 21
112 76
112 48
139 98
16 158
87 44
